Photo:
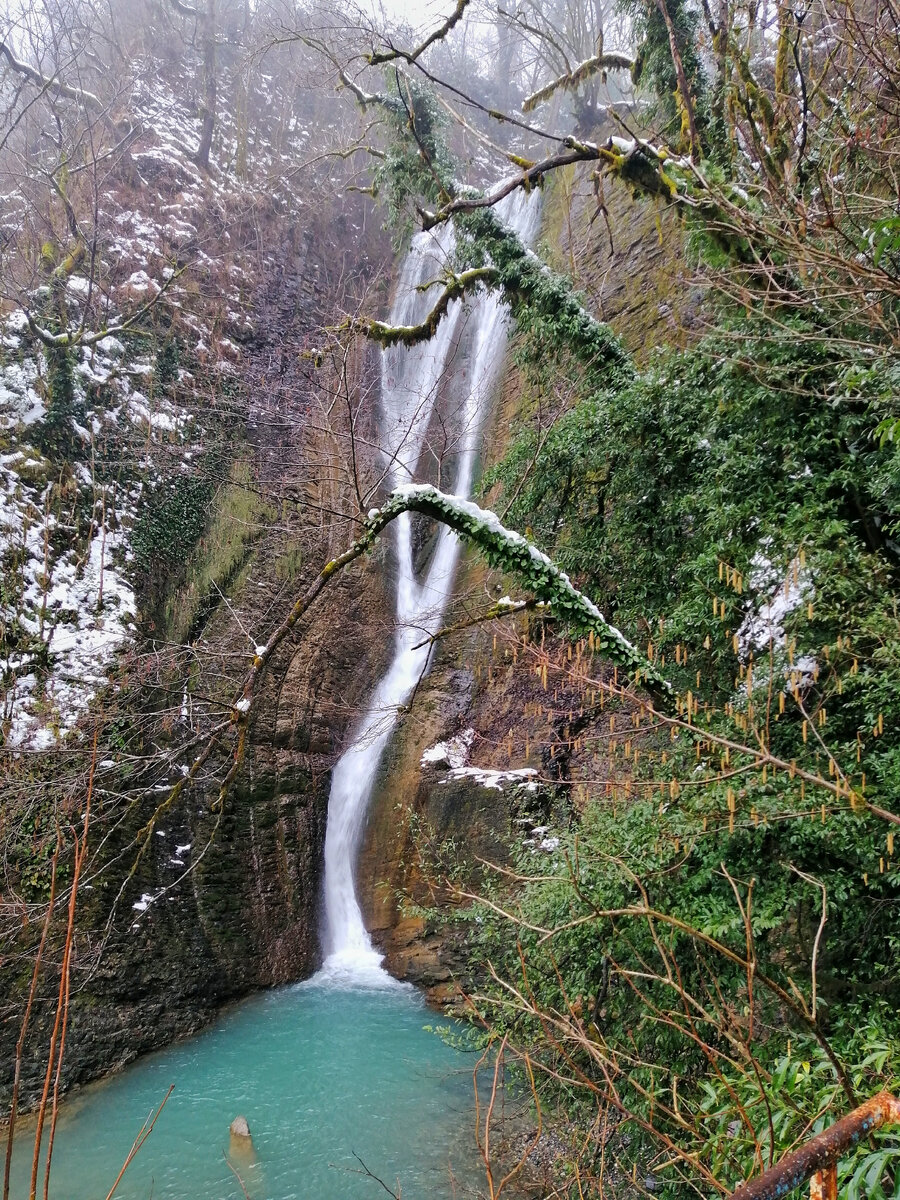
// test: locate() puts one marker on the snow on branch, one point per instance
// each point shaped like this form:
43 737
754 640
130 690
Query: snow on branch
571 80
51 84
539 295
527 285
367 99
511 552
502 548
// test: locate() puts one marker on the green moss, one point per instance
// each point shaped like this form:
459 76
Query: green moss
556 218
288 564
237 514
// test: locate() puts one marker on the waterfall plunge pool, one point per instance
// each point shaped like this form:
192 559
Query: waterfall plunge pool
321 1072
326 1071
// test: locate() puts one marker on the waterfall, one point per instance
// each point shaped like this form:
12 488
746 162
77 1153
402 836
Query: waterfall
412 381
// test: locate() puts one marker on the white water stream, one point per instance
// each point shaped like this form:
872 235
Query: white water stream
412 381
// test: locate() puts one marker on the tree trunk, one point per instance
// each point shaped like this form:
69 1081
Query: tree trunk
208 108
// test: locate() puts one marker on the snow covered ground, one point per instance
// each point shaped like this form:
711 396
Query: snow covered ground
67 602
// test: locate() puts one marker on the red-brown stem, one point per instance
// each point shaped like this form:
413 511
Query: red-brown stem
23 1029
145 1131
58 1036
822 1151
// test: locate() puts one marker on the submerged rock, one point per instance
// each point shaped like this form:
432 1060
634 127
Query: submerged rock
241 1140
239 1128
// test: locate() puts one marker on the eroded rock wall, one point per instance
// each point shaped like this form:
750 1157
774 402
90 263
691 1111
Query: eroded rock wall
185 908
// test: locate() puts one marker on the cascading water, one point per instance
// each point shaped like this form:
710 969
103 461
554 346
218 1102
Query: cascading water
363 1081
411 379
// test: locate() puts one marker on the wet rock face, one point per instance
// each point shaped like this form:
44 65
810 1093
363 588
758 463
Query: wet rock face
427 825
456 826
183 942
219 905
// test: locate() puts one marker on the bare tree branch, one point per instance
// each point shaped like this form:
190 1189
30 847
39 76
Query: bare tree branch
51 84
185 9
410 56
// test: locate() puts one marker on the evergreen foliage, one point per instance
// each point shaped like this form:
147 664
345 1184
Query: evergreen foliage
654 67
710 958
543 302
416 163
173 520
513 554
733 507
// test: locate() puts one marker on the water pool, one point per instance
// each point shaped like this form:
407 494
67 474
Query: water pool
321 1072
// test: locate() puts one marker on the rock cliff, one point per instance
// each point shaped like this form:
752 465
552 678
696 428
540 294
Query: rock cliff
435 832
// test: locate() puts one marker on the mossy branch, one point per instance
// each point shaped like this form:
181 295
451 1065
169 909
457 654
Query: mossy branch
510 552
502 548
411 335
534 293
378 57
365 99
645 167
538 296
572 79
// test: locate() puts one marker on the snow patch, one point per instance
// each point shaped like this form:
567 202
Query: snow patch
765 627
452 753
497 780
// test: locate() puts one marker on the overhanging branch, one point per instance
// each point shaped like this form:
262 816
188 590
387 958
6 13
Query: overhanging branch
502 548
572 79
411 335
391 55
51 83
645 167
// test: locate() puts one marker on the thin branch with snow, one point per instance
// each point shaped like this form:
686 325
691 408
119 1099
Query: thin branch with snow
390 55
51 83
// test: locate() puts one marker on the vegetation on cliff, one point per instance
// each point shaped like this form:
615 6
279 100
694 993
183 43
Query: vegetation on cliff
701 969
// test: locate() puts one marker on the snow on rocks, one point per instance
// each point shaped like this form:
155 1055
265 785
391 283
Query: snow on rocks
139 286
525 777
540 838
787 590
67 594
66 591
452 753
83 613
453 756
20 404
